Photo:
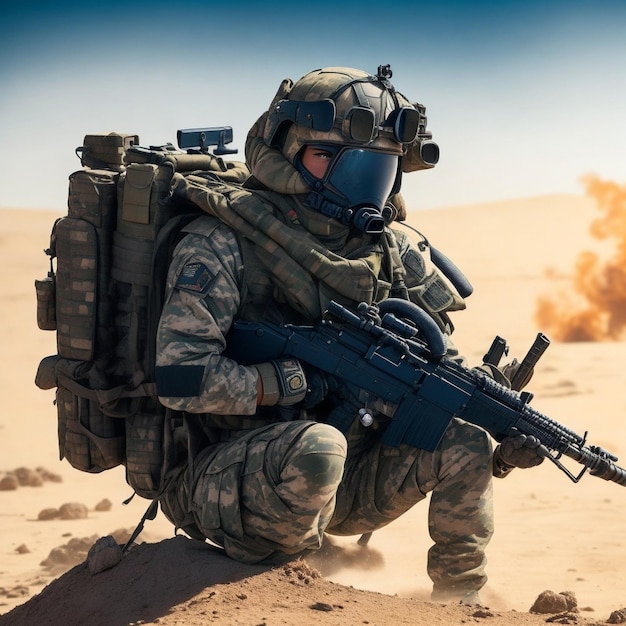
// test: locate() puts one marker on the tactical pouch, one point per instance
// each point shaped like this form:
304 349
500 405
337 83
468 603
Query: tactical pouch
143 208
143 205
93 197
145 437
46 302
105 151
90 440
77 274
75 301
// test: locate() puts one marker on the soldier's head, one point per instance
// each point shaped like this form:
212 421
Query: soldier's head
345 132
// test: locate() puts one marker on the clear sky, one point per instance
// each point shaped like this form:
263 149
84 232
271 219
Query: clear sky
523 97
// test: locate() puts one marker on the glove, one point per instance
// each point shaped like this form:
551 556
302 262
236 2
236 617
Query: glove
283 382
516 450
317 387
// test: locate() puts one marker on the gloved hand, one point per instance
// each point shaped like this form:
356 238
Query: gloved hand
317 387
283 382
516 450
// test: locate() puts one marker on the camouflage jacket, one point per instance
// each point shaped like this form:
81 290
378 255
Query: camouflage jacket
217 275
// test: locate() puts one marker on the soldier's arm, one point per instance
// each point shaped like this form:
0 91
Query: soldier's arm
202 297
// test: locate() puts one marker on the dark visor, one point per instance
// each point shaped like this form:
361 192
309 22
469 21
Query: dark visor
359 177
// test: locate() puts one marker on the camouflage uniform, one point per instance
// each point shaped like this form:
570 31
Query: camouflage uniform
266 482
264 488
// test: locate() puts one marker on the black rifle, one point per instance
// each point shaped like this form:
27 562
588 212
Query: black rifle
396 353
497 349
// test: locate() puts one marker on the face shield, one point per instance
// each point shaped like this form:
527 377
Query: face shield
355 187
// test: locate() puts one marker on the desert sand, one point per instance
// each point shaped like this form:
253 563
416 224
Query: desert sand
551 534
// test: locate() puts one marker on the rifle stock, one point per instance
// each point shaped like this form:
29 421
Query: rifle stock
390 360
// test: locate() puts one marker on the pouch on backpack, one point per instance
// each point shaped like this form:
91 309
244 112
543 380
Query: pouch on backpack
105 151
90 440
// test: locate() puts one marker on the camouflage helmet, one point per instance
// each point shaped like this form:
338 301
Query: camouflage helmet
359 119
344 106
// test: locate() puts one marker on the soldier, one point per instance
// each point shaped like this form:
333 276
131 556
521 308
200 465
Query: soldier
266 477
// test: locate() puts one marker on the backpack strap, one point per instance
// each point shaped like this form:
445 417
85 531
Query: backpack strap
151 513
107 399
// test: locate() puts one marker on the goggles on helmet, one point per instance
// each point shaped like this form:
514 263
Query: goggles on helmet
359 123
355 187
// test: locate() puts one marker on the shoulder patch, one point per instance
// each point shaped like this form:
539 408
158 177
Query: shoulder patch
415 263
195 277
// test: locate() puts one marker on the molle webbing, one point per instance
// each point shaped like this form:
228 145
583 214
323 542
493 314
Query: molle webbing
81 242
77 276
290 253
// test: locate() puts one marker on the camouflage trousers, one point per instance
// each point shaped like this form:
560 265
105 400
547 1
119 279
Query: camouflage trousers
275 491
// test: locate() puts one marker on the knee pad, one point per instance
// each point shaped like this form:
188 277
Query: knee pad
319 455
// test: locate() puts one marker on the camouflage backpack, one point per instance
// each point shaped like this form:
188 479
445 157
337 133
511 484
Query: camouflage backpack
103 295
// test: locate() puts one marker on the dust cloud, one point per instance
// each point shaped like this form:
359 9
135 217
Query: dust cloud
595 309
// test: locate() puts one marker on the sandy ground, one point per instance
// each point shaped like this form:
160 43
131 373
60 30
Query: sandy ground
551 534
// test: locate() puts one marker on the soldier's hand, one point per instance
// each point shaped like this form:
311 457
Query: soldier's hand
317 387
282 382
516 450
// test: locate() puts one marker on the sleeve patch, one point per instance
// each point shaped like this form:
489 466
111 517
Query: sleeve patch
195 277
437 296
415 263
180 381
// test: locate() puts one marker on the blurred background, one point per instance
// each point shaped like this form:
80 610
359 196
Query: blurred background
523 97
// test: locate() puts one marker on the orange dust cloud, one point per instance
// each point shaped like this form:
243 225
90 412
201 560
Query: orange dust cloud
600 284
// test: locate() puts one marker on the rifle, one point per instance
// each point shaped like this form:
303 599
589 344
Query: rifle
396 353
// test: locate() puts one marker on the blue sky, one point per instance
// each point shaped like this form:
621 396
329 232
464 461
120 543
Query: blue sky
523 98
